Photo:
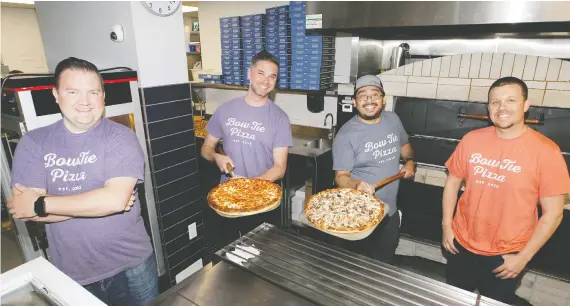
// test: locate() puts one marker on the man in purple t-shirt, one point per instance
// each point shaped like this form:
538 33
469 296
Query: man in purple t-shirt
78 175
255 131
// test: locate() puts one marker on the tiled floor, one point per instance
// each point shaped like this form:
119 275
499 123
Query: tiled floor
432 269
11 254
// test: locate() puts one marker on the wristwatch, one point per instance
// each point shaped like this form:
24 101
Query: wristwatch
40 207
412 159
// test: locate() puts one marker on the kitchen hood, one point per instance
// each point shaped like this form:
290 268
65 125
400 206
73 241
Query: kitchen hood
409 19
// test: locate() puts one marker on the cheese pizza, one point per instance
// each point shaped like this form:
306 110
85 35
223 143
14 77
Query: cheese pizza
244 196
344 210
200 127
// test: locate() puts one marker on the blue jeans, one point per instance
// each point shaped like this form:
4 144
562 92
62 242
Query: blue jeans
134 286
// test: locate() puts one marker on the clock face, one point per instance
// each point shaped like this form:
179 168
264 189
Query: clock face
162 8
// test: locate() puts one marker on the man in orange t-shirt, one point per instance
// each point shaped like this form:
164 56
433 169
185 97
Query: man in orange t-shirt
508 169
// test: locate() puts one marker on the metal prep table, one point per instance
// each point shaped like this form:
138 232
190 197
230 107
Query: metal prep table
272 266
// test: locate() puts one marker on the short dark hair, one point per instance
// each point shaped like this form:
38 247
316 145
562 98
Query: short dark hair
509 81
264 56
75 64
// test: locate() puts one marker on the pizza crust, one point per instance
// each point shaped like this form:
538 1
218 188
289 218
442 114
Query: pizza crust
343 229
243 214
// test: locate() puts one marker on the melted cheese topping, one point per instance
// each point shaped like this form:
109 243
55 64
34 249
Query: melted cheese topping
245 194
200 128
344 208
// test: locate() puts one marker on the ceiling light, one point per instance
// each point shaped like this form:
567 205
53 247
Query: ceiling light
188 9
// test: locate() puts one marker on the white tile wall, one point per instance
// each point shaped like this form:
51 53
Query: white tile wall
530 68
409 69
454 81
454 67
564 72
436 66
482 82
541 68
518 67
420 90
444 68
452 92
395 88
426 67
389 103
558 85
496 65
469 76
553 69
475 66
486 61
478 94
401 70
535 84
464 66
417 68
556 98
393 78
423 80
536 96
508 62
389 72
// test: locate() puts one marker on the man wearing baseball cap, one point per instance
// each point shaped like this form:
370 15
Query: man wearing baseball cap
367 149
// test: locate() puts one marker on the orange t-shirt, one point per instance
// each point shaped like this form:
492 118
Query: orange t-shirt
505 178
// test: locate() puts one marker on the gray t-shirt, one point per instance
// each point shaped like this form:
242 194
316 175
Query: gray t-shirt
250 134
371 152
86 249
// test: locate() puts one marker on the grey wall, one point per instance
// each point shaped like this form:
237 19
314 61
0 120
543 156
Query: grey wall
87 25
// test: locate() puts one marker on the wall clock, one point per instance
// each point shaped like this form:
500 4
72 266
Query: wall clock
162 8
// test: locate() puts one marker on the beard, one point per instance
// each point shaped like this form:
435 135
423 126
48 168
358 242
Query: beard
258 91
374 116
504 125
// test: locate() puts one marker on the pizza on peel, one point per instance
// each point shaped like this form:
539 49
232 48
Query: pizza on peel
344 210
244 196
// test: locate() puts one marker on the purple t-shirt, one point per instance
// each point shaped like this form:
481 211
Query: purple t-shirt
250 134
86 249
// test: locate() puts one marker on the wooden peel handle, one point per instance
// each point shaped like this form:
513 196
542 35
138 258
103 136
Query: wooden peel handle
389 180
230 169
481 117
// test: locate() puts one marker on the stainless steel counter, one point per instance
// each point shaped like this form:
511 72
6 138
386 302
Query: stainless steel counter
224 284
326 275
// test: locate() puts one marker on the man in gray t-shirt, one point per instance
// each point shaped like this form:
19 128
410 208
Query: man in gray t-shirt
256 132
367 150
78 176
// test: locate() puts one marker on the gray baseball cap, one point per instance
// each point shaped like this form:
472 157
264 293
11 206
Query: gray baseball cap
368 80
